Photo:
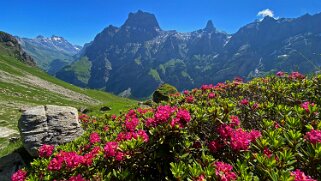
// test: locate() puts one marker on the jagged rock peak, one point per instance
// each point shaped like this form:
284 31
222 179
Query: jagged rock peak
209 26
142 19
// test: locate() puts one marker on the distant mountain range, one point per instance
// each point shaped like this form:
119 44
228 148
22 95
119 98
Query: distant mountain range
139 56
50 54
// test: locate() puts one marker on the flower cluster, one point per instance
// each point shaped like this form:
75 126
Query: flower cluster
46 150
133 135
76 178
306 106
300 176
238 138
296 75
20 175
314 136
94 138
224 171
72 160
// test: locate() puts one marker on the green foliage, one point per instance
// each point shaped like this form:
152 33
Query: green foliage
266 129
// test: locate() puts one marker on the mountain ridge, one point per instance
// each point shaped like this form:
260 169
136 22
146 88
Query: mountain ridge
139 57
50 53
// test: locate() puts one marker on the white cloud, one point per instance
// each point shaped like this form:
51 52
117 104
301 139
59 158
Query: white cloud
265 12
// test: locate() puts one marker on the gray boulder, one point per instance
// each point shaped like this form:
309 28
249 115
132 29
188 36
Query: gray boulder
53 125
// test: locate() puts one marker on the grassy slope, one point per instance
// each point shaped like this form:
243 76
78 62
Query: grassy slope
14 95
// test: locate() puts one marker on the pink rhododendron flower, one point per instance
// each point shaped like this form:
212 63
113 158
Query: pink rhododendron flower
150 122
214 146
76 178
200 178
55 164
46 150
143 134
225 130
119 156
314 136
110 149
280 74
235 121
267 152
224 171
296 75
211 95
255 134
131 124
94 138
20 175
113 117
306 106
244 102
163 114
189 99
185 92
183 115
300 176
240 140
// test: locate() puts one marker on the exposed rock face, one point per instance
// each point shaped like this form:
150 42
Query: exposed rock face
49 124
11 42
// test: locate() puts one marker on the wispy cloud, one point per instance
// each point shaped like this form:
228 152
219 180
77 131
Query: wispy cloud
265 12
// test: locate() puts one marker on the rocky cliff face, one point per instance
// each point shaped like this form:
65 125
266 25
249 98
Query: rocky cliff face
14 48
139 55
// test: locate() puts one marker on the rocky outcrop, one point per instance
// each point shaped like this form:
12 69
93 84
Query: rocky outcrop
49 124
12 43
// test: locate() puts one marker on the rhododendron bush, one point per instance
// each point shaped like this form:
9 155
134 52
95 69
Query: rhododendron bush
266 129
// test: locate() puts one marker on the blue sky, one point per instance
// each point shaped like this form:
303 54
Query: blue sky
79 21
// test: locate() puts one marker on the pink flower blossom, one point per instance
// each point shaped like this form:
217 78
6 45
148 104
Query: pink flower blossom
76 178
55 164
113 117
280 74
46 150
119 156
20 175
200 178
224 171
211 95
185 92
255 134
110 149
235 121
267 152
163 114
214 146
244 102
143 134
225 130
240 140
314 136
189 99
296 75
131 123
306 106
300 176
94 138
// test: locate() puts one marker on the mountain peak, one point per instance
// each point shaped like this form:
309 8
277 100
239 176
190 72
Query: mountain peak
209 26
142 19
56 38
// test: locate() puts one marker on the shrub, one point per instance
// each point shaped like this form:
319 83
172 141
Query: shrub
267 129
